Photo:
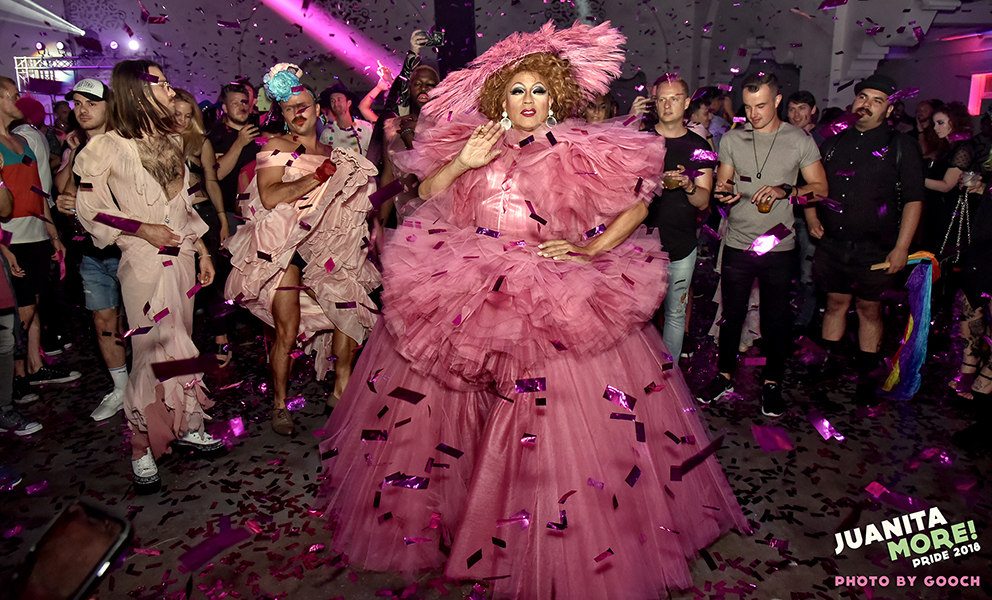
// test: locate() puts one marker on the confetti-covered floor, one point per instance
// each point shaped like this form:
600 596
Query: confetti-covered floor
797 487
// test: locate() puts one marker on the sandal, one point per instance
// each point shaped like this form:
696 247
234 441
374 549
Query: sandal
961 385
986 383
224 354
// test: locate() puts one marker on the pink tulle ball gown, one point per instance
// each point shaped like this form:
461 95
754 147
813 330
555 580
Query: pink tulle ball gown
515 418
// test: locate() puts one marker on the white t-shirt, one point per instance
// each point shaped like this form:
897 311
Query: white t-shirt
354 138
39 145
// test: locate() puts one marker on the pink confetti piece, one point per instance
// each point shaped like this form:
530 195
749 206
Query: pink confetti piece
771 438
528 438
237 426
168 250
126 225
629 120
619 398
417 540
823 426
801 13
136 331
764 243
167 263
409 395
566 496
36 488
537 384
828 4
489 232
604 555
840 124
904 95
6 237
374 435
229 24
205 363
918 32
162 314
595 483
522 518
147 551
193 290
329 265
881 152
231 385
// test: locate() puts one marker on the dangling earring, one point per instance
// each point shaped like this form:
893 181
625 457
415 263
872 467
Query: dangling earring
551 122
505 121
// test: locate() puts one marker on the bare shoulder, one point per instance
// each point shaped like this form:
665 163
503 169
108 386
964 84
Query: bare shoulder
282 143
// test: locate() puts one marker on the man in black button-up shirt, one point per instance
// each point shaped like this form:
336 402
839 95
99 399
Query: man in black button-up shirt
876 174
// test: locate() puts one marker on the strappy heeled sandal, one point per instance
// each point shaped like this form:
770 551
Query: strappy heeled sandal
961 385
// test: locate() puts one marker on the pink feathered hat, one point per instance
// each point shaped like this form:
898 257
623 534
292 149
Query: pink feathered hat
593 53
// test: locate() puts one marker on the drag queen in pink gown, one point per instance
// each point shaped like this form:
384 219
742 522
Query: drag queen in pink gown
514 416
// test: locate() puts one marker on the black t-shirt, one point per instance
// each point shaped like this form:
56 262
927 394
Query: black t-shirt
862 176
75 238
223 137
671 212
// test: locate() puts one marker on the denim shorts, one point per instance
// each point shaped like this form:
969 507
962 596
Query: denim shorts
101 287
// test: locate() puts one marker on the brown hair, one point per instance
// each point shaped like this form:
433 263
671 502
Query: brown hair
566 93
134 108
194 133
957 115
754 82
671 79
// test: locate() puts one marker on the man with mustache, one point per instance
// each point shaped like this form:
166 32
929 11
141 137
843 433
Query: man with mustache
876 174
343 131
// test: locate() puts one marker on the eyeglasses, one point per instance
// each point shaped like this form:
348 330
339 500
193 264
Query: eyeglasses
168 86
295 108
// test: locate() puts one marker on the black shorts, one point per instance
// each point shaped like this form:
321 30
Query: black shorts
34 259
845 268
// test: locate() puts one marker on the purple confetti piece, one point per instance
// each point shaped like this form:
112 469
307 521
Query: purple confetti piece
27 160
527 141
629 120
36 488
411 482
136 331
828 4
528 438
771 438
344 305
755 361
537 384
623 417
604 555
844 172
594 232
386 192
329 265
562 524
700 155
237 426
918 32
199 555
904 94
374 435
39 191
881 153
417 540
169 250
148 77
409 395
126 225
167 263
763 244
229 24
823 426
595 483
745 178
560 347
551 138
639 434
490 232
453 452
6 237
677 472
476 557
740 119
619 398
161 314
840 124
193 290
305 226
295 403
522 518
633 476
566 496
196 188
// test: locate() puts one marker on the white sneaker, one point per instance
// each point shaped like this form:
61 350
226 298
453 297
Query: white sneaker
108 407
145 470
199 440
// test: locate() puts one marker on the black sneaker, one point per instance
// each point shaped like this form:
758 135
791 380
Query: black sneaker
719 387
13 421
22 392
48 374
772 404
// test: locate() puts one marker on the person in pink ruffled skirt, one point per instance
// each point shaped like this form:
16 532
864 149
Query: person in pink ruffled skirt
514 416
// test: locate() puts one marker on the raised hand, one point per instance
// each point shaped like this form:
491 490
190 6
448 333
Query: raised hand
478 150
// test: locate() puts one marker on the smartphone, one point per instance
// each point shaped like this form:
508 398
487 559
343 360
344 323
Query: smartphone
73 555
254 119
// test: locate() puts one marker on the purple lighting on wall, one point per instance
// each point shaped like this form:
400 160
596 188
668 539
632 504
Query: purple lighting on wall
346 44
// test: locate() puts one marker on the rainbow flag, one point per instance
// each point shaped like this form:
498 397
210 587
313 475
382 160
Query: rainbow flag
904 367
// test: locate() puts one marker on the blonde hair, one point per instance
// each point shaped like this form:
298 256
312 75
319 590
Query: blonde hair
194 133
557 74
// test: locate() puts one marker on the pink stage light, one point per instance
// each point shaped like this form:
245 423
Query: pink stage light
346 44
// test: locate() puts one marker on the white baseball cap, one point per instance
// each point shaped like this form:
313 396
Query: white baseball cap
94 89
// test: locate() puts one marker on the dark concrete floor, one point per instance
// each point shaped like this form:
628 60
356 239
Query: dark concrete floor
795 499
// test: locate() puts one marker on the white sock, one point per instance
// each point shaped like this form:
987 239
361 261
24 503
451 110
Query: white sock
119 375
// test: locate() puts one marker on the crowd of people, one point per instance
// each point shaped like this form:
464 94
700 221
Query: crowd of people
524 267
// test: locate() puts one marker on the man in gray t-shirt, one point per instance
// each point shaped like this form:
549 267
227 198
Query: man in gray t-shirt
756 178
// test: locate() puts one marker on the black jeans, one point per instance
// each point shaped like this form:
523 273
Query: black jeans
774 273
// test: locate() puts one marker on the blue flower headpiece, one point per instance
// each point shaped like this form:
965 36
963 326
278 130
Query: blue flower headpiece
283 82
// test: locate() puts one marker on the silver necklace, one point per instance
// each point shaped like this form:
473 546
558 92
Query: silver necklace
754 146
